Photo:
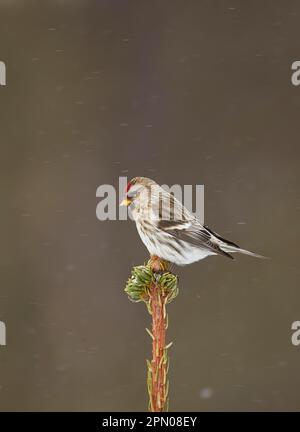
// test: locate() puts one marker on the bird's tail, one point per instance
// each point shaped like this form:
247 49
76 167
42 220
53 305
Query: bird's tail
237 249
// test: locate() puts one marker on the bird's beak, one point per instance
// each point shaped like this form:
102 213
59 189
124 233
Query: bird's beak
126 202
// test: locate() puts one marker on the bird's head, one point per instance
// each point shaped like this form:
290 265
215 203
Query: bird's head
134 189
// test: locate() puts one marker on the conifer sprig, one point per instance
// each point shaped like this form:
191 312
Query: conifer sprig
156 287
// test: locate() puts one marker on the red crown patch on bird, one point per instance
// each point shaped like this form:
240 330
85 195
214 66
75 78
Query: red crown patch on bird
129 184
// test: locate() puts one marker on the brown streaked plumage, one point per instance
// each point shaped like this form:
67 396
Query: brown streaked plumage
169 230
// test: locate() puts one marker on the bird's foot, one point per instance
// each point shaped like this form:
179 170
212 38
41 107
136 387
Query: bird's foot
158 265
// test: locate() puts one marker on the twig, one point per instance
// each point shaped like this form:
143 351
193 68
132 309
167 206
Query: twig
157 287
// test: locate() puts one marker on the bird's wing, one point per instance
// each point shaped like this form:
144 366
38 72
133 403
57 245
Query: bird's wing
192 232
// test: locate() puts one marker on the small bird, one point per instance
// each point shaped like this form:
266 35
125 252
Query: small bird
168 230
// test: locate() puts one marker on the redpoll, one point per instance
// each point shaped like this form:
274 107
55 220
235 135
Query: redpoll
168 230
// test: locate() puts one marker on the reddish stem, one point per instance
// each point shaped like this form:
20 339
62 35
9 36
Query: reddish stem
159 359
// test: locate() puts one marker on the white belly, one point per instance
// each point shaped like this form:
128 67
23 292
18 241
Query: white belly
180 253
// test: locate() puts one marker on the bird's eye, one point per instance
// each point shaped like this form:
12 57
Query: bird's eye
131 194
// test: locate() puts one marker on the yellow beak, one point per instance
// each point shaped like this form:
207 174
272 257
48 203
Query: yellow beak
126 202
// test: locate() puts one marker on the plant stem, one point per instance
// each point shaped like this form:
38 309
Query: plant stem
158 394
154 285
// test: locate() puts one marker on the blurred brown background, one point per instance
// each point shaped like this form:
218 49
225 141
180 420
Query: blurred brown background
195 92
